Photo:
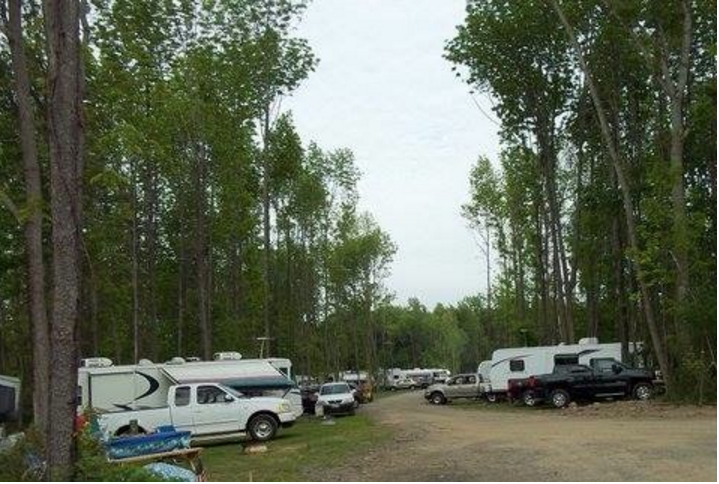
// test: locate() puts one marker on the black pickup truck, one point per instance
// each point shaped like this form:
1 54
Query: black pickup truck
581 382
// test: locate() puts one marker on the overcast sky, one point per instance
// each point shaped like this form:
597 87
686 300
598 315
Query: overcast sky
383 90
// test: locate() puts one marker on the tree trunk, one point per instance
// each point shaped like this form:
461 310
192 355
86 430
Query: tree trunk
676 92
266 241
134 250
181 297
33 223
202 253
65 140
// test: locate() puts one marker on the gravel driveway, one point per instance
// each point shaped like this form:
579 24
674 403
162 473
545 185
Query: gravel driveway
476 443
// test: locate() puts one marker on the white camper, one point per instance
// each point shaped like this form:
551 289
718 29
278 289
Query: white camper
109 388
419 375
511 363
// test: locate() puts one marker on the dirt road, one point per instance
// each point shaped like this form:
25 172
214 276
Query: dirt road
476 443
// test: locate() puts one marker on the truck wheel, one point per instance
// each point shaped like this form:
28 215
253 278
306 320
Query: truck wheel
262 427
528 399
559 398
492 397
437 398
642 391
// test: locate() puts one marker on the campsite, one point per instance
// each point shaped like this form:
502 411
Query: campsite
358 240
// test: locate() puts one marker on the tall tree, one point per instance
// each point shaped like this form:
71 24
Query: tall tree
65 140
33 218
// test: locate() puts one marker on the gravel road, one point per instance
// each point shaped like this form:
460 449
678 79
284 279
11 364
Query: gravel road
476 443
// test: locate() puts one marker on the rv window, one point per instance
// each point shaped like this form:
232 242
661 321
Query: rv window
210 394
516 365
182 396
566 360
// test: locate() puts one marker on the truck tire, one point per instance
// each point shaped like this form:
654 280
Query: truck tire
492 397
559 398
529 399
262 427
642 391
437 398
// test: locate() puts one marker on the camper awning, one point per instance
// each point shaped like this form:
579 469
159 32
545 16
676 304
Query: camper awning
268 383
239 374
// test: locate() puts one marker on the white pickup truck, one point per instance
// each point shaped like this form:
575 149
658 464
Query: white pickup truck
209 411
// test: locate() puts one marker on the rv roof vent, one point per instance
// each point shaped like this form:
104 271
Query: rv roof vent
145 362
97 362
177 360
227 355
589 341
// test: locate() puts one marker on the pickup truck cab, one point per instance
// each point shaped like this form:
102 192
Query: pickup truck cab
209 411
581 382
466 385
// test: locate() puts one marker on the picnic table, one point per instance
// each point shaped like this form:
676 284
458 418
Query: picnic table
183 457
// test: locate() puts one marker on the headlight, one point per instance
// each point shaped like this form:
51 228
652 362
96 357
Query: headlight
285 407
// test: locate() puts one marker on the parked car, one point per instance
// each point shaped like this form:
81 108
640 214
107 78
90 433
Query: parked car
208 411
363 390
459 386
404 383
581 382
423 381
337 398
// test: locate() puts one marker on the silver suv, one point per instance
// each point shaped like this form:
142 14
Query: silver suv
465 385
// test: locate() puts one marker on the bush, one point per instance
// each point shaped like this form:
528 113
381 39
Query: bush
22 462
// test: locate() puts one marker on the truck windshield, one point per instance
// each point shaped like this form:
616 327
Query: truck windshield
334 389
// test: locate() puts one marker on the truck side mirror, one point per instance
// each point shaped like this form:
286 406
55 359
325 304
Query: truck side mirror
617 369
228 398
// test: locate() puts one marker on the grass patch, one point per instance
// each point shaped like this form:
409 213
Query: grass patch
296 453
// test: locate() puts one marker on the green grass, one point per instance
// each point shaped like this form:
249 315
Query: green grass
296 453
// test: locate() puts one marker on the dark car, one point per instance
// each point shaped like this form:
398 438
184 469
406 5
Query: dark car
581 382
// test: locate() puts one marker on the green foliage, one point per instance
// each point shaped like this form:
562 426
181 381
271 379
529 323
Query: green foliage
577 260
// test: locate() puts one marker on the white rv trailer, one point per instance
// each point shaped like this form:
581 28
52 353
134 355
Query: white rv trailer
434 374
111 388
510 363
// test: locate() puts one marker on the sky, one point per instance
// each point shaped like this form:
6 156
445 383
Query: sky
383 90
